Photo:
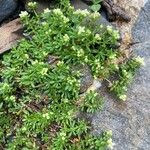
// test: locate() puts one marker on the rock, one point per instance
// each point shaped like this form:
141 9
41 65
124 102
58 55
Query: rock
7 8
9 34
133 7
130 121
95 86
86 77
141 29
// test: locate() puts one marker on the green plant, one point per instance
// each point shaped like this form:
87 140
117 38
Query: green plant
38 101
91 102
125 74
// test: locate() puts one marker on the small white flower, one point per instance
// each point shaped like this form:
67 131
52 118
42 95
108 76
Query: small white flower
80 52
26 56
34 62
51 113
115 34
123 97
86 59
23 14
95 15
12 98
97 37
110 144
32 5
109 132
116 66
46 115
73 47
58 11
65 19
41 63
63 135
101 26
60 63
109 29
63 138
24 129
47 10
48 32
44 23
112 56
65 100
82 12
97 64
66 38
96 61
125 72
44 71
81 30
140 60
88 32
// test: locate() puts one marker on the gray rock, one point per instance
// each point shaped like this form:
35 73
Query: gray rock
86 79
130 121
7 8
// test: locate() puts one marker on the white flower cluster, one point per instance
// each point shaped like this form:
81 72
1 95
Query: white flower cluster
80 30
60 63
48 32
66 38
97 63
114 33
109 141
80 52
86 59
26 56
44 23
32 5
63 135
127 74
57 12
46 115
37 62
65 19
80 12
97 37
71 80
112 56
47 10
123 97
95 15
110 144
44 71
140 60
23 14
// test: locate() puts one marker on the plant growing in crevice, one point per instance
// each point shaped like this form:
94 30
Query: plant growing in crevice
41 99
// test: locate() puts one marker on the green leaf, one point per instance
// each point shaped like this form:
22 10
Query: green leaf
95 7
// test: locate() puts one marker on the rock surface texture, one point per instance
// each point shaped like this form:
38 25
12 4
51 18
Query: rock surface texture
130 121
7 7
9 34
